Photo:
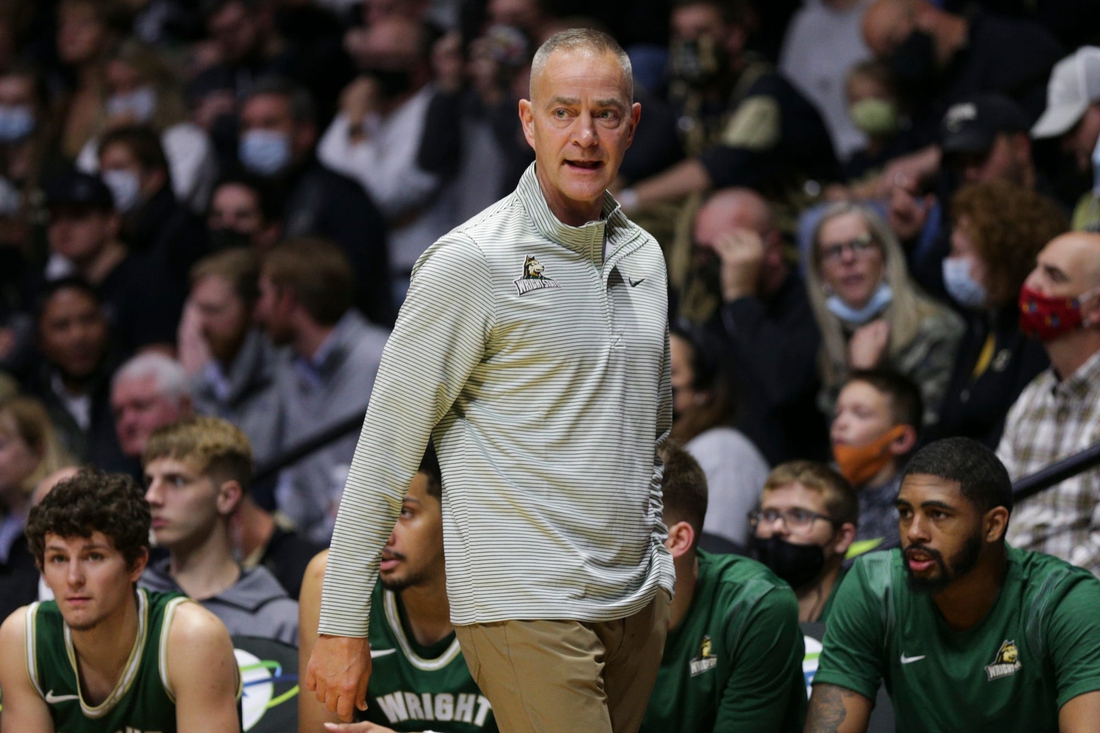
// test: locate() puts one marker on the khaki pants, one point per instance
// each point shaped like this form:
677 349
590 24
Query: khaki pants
568 676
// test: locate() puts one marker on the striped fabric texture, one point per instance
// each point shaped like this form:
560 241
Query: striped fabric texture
541 371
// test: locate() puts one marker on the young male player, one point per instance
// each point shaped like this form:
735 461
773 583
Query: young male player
420 679
105 656
968 633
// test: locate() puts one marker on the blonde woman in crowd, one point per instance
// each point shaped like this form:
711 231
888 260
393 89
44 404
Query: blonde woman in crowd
871 313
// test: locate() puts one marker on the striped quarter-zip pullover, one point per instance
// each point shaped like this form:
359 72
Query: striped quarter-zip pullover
541 371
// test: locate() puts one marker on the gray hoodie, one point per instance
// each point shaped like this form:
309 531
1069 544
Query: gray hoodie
256 605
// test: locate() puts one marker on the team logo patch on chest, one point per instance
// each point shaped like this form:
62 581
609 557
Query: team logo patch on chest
1006 663
533 277
706 659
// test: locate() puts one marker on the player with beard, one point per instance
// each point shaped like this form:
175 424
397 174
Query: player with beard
966 632
420 679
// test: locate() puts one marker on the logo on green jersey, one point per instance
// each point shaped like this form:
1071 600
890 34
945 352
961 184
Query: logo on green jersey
1006 663
705 660
532 277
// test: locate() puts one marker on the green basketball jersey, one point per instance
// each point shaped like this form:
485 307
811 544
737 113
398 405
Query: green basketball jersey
142 701
416 688
735 661
1037 646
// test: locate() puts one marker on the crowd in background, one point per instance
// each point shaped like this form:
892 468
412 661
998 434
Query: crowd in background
214 208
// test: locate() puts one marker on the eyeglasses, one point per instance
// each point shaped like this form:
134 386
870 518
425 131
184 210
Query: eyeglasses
860 246
796 519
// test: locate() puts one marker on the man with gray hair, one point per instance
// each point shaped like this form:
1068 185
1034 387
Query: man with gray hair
533 350
147 392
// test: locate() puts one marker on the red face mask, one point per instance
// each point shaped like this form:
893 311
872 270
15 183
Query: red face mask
1047 318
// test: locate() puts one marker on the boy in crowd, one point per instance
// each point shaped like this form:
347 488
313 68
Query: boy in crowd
733 655
105 655
875 427
197 472
420 678
805 524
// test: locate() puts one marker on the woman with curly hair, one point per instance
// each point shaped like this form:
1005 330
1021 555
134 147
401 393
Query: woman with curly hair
999 228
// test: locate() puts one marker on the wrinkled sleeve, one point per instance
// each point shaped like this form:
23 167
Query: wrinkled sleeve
853 638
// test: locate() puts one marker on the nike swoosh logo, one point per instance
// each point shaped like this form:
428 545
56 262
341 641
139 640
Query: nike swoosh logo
635 283
910 660
52 698
381 652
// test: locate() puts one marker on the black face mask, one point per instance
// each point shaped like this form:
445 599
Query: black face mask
914 62
228 238
698 63
391 82
223 133
799 565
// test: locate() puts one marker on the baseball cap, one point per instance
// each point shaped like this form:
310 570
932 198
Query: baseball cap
1074 85
74 188
971 126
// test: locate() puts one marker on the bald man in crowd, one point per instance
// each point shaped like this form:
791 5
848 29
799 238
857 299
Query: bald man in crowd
534 337
1058 414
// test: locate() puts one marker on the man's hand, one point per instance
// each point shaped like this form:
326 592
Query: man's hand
742 255
868 345
339 670
359 99
908 168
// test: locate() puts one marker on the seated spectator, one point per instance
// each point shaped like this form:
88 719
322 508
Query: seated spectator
140 89
133 166
278 134
966 631
1073 115
83 235
875 427
764 328
28 135
305 303
74 380
870 313
29 450
702 419
733 655
261 538
985 138
998 230
243 213
1055 416
196 472
238 383
419 663
818 513
147 392
878 110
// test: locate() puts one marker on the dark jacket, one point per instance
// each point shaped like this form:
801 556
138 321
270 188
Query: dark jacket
172 233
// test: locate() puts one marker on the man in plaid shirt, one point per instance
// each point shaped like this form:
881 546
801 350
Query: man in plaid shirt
1058 414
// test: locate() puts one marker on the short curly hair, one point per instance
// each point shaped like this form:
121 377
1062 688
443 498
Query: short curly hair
90 501
1008 225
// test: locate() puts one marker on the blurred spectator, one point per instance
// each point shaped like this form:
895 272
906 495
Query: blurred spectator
870 312
985 139
305 303
823 42
703 414
197 472
238 383
212 105
87 30
1073 114
998 230
818 512
74 380
147 392
28 134
133 166
876 424
141 89
376 138
243 214
261 539
731 618
877 109
745 125
29 450
278 134
1056 415
83 234
764 328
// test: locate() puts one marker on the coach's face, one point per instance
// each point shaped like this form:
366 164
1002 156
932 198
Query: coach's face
414 553
943 534
580 120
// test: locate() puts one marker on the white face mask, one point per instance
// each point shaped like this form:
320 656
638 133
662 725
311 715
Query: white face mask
125 188
960 284
140 104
